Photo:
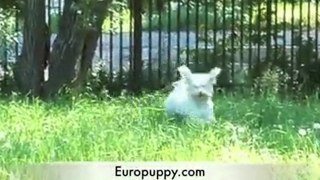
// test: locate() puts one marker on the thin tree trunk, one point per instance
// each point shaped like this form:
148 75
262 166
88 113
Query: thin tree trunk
74 47
28 70
66 49
84 65
90 44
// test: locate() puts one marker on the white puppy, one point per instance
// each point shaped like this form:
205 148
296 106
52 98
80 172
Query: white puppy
191 97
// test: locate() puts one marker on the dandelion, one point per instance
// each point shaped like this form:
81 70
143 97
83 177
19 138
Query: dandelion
316 126
302 132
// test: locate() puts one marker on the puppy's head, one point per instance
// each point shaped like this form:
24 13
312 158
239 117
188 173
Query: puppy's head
199 85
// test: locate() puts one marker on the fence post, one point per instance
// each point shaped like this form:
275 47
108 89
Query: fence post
136 75
269 29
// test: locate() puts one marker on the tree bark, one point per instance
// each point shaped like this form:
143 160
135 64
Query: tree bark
136 75
74 47
90 44
28 70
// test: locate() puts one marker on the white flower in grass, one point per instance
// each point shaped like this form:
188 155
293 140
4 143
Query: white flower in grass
279 126
302 132
7 145
241 129
309 130
316 126
2 136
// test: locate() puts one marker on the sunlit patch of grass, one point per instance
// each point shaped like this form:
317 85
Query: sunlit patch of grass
248 130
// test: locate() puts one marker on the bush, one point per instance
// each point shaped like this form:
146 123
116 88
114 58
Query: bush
299 78
7 42
101 81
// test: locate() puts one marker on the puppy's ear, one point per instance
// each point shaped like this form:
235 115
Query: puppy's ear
184 71
175 84
213 74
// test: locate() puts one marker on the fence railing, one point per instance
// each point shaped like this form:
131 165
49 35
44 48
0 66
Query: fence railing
239 36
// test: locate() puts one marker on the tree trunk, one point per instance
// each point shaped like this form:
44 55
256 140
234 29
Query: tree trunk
86 60
90 45
136 76
28 70
74 47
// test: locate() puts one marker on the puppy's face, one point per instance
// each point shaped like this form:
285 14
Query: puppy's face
199 85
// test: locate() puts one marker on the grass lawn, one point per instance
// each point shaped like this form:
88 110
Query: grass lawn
248 130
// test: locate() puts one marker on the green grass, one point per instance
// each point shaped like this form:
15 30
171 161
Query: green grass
248 130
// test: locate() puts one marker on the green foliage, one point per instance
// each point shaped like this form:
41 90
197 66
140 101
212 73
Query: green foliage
101 81
7 43
7 27
116 20
8 85
121 11
11 4
300 77
269 82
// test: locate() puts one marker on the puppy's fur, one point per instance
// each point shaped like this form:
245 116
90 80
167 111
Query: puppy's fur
191 96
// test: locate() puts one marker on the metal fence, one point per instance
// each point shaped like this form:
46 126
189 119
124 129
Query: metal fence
236 35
